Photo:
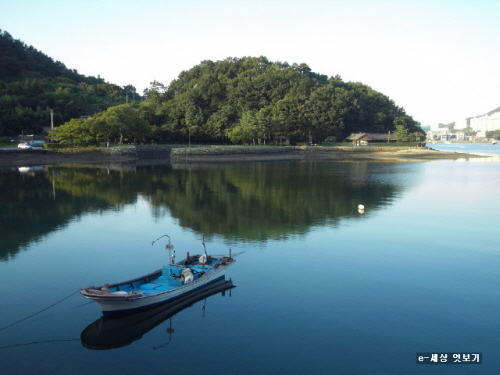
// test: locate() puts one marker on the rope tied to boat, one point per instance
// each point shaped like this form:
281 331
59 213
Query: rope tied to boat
32 315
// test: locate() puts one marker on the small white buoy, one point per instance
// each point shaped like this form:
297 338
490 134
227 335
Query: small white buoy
361 207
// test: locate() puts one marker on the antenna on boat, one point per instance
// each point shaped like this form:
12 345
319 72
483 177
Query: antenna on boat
165 235
168 246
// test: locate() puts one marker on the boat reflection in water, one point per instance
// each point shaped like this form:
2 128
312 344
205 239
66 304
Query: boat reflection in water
114 331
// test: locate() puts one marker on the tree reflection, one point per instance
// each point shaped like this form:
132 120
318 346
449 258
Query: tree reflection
239 201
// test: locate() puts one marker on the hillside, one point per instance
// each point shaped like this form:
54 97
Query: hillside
33 84
246 100
254 100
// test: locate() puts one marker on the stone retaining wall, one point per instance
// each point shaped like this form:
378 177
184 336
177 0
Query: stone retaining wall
119 151
163 152
238 150
153 152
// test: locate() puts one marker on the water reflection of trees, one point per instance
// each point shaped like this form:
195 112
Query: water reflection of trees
263 200
248 201
34 205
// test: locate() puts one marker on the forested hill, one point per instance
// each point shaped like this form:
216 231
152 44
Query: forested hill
237 100
33 84
19 61
253 99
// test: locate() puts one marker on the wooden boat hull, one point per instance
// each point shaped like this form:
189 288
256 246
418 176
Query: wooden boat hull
122 302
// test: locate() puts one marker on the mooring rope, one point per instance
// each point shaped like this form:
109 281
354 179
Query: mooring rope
37 342
32 315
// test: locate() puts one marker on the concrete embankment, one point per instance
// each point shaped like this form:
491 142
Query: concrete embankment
214 154
211 154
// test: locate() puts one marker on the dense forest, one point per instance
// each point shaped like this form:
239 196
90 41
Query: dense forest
236 100
32 85
252 99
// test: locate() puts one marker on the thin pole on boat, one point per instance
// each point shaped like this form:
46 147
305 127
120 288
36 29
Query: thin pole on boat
204 247
165 235
168 246
205 251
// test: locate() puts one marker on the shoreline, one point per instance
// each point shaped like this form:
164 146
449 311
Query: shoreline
20 158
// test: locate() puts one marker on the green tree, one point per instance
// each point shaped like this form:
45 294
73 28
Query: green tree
193 120
328 108
401 133
495 134
249 129
123 123
220 121
416 137
77 132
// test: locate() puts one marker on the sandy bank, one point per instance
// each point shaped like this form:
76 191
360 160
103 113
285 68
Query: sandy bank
16 158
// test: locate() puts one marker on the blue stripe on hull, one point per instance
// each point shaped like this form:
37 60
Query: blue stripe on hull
162 302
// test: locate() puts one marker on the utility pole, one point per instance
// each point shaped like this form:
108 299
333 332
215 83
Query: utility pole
51 120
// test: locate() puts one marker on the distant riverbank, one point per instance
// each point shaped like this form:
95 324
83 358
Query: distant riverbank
16 158
345 153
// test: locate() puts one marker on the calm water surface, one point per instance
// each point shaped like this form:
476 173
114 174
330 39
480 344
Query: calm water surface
320 288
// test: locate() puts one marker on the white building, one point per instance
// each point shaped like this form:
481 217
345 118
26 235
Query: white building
481 124
446 135
487 122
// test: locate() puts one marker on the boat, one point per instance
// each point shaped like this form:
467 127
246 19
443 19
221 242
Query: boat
115 331
167 284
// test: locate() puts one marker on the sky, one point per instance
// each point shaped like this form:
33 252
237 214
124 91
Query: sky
438 59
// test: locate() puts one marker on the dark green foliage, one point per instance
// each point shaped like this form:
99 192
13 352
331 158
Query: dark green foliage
32 85
118 124
239 100
253 100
